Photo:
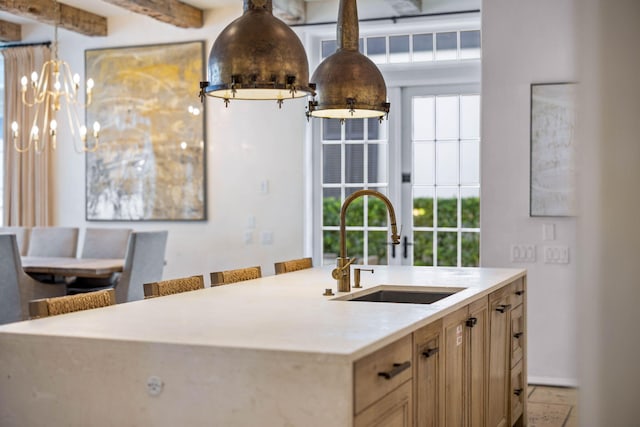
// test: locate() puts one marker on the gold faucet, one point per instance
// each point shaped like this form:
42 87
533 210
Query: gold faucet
342 272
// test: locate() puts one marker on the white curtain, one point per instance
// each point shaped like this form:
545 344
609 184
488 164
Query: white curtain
29 176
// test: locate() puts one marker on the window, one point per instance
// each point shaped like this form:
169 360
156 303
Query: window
1 140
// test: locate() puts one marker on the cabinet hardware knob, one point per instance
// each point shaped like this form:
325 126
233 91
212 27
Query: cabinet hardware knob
517 391
517 335
503 307
397 368
471 322
520 292
430 352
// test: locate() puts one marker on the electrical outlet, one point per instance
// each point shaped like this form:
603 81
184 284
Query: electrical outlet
556 254
523 253
154 385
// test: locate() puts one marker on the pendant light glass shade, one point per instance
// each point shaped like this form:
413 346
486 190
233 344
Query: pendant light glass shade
348 84
257 57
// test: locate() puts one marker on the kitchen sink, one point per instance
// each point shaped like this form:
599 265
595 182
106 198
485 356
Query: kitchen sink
408 296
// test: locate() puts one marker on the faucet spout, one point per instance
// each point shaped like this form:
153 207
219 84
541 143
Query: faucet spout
343 263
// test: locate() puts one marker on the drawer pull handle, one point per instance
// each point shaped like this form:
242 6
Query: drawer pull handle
517 335
471 322
430 352
503 307
397 368
517 391
520 292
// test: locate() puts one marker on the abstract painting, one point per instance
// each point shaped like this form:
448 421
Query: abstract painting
150 162
553 116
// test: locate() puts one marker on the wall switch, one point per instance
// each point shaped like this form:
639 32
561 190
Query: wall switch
548 232
556 254
267 237
248 237
523 253
251 222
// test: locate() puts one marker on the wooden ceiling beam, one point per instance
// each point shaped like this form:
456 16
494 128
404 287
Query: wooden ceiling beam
172 12
406 7
69 18
10 32
290 11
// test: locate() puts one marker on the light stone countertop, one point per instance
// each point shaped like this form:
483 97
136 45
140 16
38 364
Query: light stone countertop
283 313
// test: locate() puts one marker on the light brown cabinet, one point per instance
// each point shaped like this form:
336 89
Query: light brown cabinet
466 369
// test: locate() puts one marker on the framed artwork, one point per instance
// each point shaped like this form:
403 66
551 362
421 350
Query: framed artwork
150 163
553 116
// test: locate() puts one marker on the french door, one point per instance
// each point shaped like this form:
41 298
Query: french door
440 189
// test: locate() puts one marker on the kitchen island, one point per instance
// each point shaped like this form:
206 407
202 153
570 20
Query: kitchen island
276 352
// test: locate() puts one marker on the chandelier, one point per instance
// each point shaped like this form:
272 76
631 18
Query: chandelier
55 87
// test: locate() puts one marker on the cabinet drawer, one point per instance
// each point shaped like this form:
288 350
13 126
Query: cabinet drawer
518 392
381 372
517 334
393 410
517 292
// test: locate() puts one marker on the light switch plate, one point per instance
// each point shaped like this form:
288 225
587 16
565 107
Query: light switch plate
556 254
548 232
523 253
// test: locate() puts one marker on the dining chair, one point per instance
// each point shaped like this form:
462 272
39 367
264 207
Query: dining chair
232 276
16 287
53 242
101 243
173 286
45 307
22 236
143 263
293 265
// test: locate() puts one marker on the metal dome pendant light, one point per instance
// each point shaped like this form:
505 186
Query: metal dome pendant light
257 57
348 84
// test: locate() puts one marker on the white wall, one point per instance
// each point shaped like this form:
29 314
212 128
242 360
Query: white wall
524 43
246 144
609 127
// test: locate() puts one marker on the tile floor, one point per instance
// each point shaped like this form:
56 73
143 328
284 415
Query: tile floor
552 406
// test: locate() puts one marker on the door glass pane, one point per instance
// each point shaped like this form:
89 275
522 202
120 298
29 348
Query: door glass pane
470 205
447 249
377 248
447 162
469 44
355 245
424 163
374 129
447 207
447 117
470 117
328 48
470 162
331 204
355 211
398 49
354 167
377 163
422 47
331 164
377 212
377 49
446 46
423 207
423 118
470 249
422 248
330 246
354 130
331 129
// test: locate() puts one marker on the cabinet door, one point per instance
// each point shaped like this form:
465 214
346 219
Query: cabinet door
499 364
393 410
454 361
478 352
426 376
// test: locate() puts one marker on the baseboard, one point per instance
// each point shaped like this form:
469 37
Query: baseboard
553 381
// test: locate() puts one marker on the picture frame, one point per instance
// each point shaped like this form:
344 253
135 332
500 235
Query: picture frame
552 163
150 164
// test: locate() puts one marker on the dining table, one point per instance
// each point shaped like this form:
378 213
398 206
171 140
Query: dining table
76 267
